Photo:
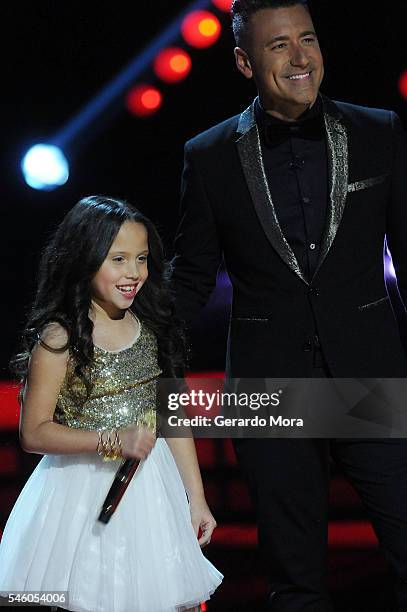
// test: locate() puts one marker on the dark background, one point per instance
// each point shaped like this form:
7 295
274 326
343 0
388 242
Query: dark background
58 56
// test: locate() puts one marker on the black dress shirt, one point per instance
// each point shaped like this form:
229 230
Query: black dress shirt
295 163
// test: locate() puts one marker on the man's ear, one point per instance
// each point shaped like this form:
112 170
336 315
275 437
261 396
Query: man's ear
243 62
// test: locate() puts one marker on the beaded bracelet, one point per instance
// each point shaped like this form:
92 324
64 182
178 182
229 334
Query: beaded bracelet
111 448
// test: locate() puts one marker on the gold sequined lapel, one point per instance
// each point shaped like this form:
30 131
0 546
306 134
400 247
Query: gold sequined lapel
337 149
251 158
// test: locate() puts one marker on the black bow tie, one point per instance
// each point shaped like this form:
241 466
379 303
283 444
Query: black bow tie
311 128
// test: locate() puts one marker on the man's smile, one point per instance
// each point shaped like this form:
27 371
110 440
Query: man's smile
299 77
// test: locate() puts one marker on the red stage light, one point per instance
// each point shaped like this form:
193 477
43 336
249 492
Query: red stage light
10 408
223 5
143 100
201 29
403 84
172 65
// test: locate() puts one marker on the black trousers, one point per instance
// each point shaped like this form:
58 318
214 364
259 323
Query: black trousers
289 483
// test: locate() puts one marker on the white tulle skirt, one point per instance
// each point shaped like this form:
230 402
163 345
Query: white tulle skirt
146 559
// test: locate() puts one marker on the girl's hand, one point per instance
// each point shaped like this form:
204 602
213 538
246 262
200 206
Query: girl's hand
137 442
201 518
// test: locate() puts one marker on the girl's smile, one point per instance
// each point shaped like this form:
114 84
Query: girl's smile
128 291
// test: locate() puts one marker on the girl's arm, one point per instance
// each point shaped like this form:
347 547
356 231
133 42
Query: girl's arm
38 432
184 452
46 372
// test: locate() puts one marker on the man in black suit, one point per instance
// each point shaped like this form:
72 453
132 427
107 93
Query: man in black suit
298 194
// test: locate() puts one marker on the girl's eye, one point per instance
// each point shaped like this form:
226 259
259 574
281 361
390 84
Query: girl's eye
142 258
118 259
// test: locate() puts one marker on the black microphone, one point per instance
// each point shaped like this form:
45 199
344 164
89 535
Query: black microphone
120 483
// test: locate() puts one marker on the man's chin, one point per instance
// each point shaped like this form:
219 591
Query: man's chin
307 99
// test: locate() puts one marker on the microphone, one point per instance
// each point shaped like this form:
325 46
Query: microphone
120 483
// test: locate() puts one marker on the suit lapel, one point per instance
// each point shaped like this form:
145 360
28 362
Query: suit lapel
251 158
338 170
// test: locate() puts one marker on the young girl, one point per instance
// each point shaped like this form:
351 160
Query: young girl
100 333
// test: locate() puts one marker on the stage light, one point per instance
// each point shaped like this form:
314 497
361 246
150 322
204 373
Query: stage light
143 100
389 270
223 5
403 84
172 65
45 167
201 29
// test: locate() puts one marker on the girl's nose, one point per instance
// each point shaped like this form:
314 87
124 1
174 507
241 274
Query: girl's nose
132 271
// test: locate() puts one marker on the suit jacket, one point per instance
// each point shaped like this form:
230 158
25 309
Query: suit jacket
227 209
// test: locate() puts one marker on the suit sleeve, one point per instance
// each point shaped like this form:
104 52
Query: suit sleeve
197 246
396 230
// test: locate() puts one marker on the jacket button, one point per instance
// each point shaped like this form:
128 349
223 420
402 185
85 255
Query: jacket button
307 347
313 291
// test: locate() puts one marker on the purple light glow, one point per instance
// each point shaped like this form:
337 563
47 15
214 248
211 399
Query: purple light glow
389 270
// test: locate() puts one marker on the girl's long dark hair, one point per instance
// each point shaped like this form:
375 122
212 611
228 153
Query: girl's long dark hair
67 266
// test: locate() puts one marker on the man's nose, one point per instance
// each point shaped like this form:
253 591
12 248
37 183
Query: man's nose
298 57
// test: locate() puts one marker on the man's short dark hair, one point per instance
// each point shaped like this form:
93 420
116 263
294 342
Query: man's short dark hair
242 10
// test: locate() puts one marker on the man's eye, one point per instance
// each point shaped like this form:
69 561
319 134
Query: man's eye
309 40
280 46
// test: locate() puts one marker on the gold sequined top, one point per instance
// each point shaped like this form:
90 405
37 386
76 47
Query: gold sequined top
124 388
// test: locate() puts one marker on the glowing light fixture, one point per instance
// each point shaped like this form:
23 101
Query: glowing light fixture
45 167
201 29
143 100
403 84
172 65
223 5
